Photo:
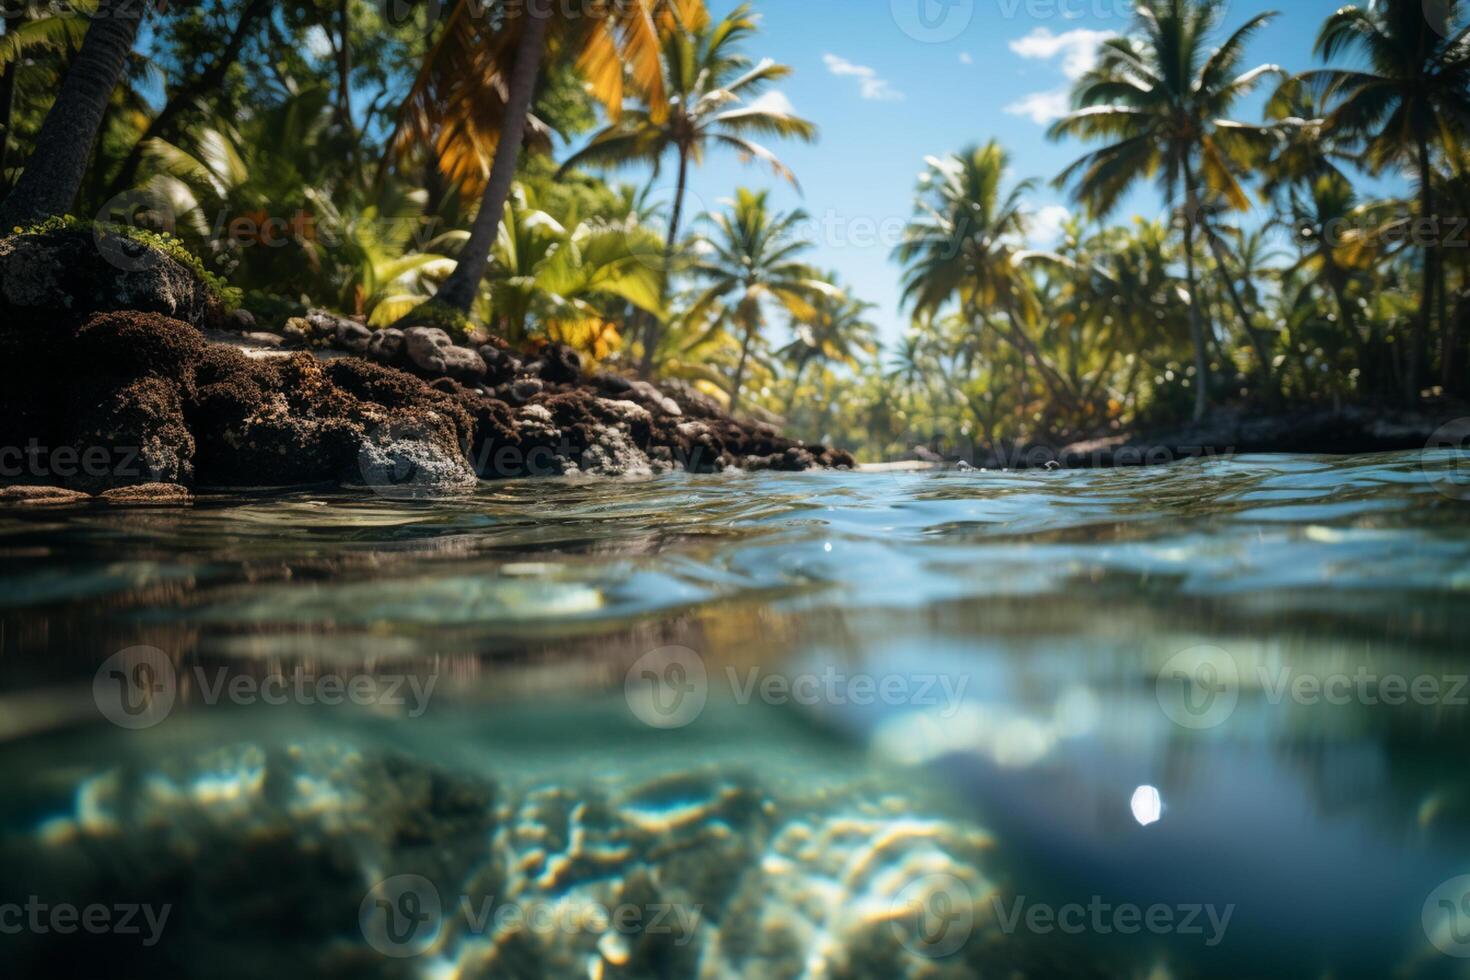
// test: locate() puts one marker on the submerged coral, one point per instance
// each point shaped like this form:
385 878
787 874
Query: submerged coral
324 859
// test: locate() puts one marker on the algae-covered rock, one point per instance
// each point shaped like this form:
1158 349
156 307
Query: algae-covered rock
71 273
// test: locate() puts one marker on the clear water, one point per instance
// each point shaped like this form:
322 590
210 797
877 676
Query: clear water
1207 720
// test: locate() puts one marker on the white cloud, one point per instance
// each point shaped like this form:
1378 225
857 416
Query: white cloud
1043 107
1077 48
773 101
1046 225
1078 52
966 58
873 87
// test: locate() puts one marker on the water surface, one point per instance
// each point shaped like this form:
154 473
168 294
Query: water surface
953 724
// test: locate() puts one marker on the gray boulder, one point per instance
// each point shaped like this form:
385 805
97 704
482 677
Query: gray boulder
385 345
434 353
341 331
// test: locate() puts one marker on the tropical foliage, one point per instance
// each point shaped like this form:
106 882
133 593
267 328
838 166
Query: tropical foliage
349 154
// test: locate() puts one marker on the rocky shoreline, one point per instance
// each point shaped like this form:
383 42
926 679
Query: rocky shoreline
123 370
1346 431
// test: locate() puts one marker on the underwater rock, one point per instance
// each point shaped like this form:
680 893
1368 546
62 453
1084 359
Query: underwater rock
292 859
71 274
255 860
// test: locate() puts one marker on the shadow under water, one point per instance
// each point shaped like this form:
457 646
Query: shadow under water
1207 720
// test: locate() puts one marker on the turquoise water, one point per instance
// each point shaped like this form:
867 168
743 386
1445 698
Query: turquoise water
1205 720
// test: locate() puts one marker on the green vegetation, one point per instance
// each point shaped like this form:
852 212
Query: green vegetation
228 296
325 155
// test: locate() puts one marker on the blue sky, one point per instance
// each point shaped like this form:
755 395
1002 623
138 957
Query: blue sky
888 88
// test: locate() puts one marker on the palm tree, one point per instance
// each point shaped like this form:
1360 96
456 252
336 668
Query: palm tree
1162 99
837 332
24 31
707 83
540 269
53 174
963 244
489 61
1412 95
749 262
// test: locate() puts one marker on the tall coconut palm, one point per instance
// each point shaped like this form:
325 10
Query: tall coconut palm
490 59
750 262
1162 99
709 98
837 332
201 81
963 245
54 171
26 30
1410 98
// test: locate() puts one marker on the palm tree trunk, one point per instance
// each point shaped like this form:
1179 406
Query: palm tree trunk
344 87
654 333
1449 334
796 385
1196 318
1263 356
54 172
206 82
1419 346
7 113
740 370
460 289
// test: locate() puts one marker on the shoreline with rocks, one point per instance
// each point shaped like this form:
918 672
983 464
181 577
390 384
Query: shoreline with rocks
126 374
